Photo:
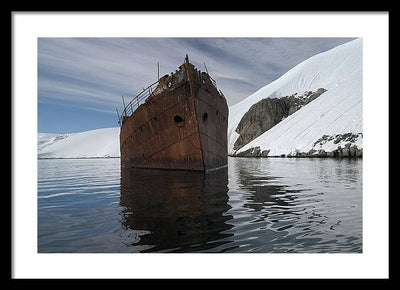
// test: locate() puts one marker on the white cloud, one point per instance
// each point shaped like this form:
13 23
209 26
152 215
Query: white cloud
97 71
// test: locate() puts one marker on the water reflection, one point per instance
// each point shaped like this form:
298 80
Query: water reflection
177 211
273 205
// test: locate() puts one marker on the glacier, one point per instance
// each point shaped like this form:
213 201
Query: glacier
99 143
337 111
317 125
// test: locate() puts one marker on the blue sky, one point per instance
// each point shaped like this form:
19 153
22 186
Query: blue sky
81 80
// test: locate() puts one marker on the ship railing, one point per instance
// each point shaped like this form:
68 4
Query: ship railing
137 101
141 98
213 81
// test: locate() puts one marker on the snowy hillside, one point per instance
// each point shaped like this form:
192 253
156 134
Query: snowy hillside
336 112
331 120
89 144
46 139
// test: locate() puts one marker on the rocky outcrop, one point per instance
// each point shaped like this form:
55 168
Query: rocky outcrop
259 118
342 146
295 101
268 112
253 152
338 138
345 145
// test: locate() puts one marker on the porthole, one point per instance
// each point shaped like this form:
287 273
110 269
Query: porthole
205 118
179 121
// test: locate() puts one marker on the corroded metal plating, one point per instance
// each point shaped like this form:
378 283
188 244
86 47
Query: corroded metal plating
182 124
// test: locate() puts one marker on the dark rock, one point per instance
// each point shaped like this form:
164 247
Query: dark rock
312 151
261 117
246 153
268 112
330 154
251 152
345 152
353 150
315 95
349 150
322 140
336 153
265 153
257 152
338 139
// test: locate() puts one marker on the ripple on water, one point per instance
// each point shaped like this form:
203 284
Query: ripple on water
269 205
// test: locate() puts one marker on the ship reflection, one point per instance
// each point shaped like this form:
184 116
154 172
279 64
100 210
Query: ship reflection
181 211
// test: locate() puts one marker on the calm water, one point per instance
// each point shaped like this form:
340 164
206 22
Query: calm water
256 205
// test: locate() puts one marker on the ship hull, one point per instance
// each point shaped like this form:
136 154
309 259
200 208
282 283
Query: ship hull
183 127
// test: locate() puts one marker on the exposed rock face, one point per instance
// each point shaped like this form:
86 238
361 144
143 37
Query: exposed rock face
253 152
261 117
347 137
268 112
346 147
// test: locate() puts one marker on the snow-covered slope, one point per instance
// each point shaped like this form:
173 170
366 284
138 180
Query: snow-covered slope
46 139
89 144
337 111
324 123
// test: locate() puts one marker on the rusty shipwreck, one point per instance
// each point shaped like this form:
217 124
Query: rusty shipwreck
179 122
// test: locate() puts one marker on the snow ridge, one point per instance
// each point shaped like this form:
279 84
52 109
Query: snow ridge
337 111
98 143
